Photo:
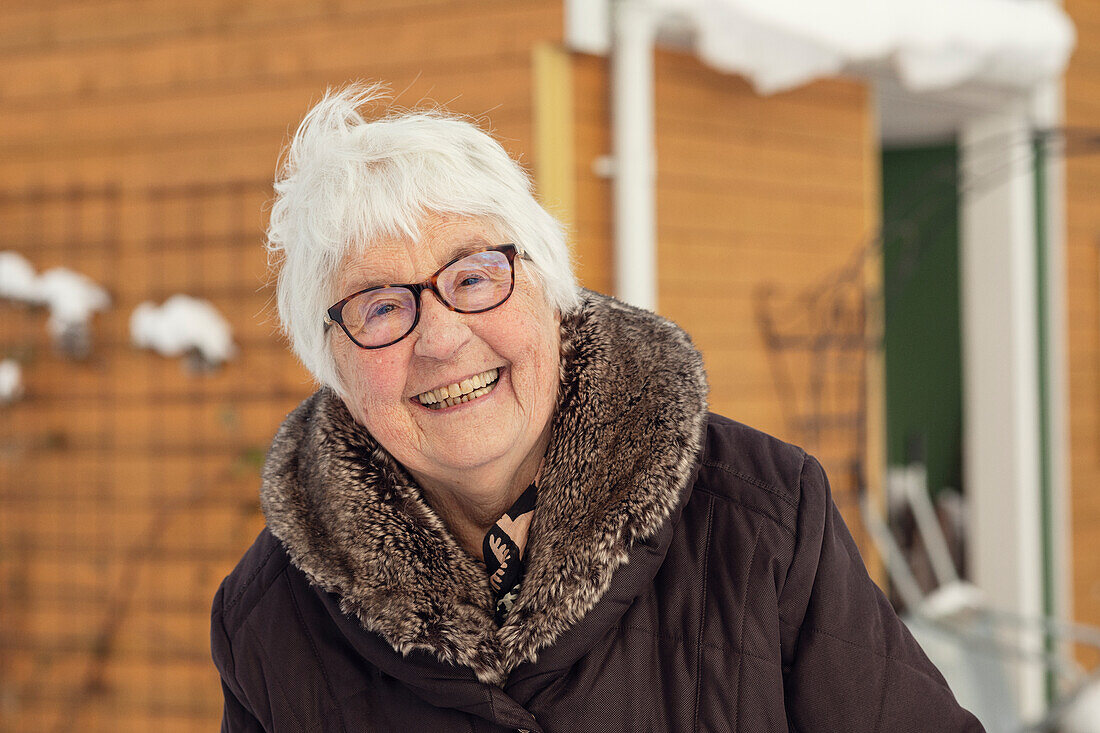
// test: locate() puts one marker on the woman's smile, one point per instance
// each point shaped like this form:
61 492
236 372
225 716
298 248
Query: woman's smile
460 392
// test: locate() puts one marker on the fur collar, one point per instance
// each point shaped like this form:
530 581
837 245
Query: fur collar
626 436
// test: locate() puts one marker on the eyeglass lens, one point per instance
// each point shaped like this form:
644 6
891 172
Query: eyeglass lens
475 283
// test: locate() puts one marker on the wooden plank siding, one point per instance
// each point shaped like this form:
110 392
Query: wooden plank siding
1082 82
751 191
138 144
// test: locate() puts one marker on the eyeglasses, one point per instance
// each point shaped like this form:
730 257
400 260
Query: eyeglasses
384 314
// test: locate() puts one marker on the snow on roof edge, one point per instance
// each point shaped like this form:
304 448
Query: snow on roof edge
930 44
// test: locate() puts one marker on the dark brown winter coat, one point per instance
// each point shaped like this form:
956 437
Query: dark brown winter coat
685 573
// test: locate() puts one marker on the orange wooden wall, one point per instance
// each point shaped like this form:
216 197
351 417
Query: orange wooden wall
137 145
1083 281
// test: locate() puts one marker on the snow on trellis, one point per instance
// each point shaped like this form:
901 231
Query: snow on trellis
183 325
17 278
72 299
11 381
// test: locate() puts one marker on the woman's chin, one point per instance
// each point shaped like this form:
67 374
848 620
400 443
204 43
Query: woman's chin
470 447
475 445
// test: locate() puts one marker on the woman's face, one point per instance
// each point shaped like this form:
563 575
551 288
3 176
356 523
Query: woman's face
519 339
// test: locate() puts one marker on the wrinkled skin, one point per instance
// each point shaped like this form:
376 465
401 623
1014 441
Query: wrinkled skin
472 459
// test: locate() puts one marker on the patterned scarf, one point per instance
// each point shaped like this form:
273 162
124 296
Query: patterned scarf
503 550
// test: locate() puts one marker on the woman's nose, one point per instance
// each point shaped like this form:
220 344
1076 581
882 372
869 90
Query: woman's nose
441 333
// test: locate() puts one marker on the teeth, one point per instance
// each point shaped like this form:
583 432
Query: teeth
454 394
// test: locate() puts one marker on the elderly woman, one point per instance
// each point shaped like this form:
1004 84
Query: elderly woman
507 506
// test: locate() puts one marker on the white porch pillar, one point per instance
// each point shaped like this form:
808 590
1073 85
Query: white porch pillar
633 142
1001 443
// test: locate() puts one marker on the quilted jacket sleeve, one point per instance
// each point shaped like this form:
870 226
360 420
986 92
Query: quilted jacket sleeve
850 663
236 716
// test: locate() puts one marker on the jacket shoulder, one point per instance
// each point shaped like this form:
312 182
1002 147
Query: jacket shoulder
247 585
751 468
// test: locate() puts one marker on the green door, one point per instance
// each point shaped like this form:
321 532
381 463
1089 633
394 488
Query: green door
921 289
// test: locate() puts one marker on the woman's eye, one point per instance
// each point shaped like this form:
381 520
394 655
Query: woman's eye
470 280
381 310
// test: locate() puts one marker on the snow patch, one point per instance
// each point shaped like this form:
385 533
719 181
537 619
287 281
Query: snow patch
1083 715
782 44
72 299
181 325
933 44
18 280
11 381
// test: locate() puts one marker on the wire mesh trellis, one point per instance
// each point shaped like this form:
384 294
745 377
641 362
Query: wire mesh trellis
831 328
128 480
836 328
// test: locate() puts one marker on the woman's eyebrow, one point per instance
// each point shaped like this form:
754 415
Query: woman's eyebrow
461 249
466 248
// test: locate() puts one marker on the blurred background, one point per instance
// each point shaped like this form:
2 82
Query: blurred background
879 221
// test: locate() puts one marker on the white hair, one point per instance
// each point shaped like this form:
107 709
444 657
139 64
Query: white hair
346 181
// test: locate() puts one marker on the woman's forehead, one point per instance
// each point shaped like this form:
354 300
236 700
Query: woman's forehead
391 259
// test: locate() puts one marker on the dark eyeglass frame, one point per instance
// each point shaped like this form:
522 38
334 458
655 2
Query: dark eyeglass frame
335 313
